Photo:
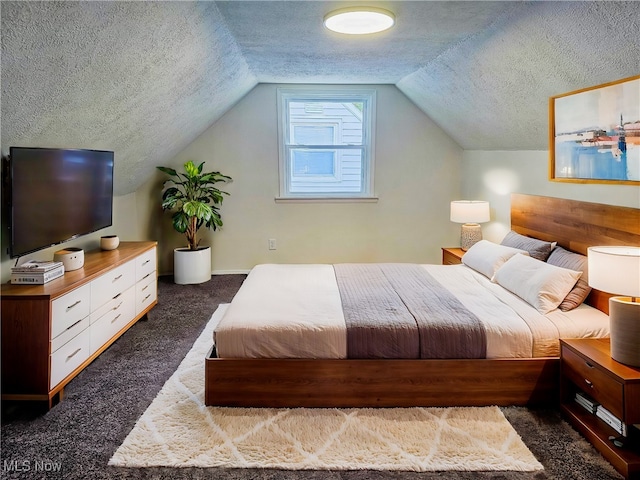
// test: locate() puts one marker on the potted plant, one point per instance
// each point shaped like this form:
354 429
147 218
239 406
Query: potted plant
195 201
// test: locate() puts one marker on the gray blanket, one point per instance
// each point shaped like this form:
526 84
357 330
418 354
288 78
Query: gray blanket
401 311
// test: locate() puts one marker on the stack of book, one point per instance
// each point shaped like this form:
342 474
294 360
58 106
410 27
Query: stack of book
36 272
610 419
587 402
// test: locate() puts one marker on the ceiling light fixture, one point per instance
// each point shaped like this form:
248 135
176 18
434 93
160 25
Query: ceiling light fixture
359 20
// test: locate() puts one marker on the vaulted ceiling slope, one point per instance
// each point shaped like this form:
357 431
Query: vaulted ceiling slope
143 79
146 78
491 92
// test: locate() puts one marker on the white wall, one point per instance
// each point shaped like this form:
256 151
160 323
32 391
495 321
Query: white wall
125 225
494 175
416 176
419 170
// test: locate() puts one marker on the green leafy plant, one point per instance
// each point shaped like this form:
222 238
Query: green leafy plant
194 199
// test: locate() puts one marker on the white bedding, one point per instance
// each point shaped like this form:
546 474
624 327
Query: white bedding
284 311
295 311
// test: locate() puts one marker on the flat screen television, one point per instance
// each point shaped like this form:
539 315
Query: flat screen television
57 195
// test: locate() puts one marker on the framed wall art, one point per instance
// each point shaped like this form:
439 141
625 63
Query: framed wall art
594 134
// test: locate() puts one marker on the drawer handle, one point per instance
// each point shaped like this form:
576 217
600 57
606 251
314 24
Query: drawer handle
113 298
590 365
144 288
116 317
589 384
117 278
74 304
145 262
145 298
117 306
74 353
69 328
146 275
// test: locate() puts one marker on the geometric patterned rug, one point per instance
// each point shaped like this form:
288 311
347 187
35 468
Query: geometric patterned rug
178 430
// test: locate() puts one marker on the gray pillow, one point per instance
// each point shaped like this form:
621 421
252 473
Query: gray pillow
538 249
573 261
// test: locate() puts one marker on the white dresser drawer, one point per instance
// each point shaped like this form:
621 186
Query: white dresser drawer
115 305
146 293
113 320
69 357
69 308
69 333
146 264
112 284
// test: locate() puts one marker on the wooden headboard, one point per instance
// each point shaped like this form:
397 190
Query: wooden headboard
576 225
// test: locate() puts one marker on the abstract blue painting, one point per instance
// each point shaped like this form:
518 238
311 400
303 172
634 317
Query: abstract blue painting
595 134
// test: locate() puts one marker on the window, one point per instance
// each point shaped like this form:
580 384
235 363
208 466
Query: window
312 163
326 142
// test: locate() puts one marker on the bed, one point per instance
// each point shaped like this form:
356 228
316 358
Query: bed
308 366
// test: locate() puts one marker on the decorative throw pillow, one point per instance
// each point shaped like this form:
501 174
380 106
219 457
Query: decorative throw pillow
538 249
486 257
573 261
541 285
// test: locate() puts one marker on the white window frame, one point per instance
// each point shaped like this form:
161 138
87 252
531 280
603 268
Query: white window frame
332 94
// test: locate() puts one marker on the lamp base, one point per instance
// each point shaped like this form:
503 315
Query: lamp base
624 317
471 234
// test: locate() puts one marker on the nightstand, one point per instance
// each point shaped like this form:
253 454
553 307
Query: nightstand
586 366
452 255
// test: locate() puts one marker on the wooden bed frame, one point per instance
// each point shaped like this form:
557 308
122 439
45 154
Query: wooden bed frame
573 224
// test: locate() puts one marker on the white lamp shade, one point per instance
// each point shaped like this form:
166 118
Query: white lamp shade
615 270
469 211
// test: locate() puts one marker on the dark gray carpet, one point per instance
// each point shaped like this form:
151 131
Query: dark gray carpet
103 403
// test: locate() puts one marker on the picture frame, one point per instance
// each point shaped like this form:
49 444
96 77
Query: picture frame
594 134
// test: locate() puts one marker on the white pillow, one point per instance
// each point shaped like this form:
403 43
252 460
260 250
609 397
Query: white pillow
487 257
541 285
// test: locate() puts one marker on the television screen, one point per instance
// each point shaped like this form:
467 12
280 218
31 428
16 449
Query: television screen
57 195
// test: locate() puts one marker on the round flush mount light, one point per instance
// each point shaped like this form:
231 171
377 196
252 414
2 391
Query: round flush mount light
359 20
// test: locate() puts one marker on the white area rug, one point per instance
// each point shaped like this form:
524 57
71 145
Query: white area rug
178 430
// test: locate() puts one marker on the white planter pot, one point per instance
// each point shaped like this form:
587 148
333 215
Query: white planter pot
191 266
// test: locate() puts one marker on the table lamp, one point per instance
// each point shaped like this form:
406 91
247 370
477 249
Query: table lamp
470 213
616 270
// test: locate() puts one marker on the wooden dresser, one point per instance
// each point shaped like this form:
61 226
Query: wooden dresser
51 332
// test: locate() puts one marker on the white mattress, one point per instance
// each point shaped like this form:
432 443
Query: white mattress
295 311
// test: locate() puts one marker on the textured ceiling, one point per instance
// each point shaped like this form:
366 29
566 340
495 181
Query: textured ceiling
286 41
141 78
491 92
146 78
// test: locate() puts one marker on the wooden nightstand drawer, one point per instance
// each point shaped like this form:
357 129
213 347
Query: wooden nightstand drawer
586 366
588 376
452 256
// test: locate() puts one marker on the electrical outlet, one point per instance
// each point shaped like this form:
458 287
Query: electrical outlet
272 244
